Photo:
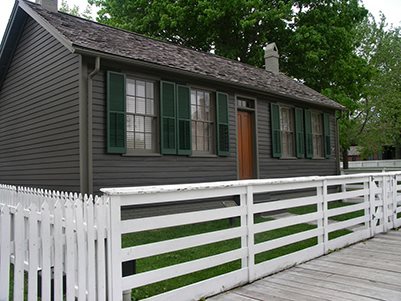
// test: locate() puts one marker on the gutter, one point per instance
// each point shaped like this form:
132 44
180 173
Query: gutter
90 124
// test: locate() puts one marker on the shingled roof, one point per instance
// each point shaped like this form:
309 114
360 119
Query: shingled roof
85 34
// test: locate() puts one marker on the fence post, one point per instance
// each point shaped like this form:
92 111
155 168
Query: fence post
366 202
372 207
114 249
320 221
325 217
250 233
385 202
394 200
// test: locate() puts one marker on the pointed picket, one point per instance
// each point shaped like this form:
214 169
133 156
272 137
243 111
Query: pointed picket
19 254
70 253
33 253
91 277
58 250
82 250
100 248
5 247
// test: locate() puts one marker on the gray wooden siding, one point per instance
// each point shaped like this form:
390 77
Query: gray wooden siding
39 111
114 170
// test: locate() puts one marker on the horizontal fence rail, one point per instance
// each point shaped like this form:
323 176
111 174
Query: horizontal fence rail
53 243
328 213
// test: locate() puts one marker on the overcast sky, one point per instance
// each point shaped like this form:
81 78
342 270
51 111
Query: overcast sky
390 8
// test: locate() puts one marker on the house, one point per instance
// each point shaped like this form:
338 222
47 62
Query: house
85 106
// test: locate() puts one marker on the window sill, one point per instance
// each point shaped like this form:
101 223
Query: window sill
203 156
141 155
318 158
288 158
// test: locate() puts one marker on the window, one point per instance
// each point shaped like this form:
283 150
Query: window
140 115
317 135
190 121
287 132
202 115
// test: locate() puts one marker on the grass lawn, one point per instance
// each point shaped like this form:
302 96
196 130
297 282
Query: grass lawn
331 205
163 260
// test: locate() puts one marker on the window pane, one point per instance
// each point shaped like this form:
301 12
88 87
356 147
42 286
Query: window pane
149 90
206 134
139 124
130 87
140 88
199 142
193 97
200 98
207 99
150 106
201 113
139 140
130 123
199 129
131 104
140 105
194 112
148 141
148 124
130 140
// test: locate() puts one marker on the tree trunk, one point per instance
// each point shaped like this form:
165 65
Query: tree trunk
345 158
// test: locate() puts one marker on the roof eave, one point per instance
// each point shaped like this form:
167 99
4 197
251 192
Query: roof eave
91 52
10 40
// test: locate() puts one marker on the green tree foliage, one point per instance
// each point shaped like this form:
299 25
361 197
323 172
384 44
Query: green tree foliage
74 10
382 115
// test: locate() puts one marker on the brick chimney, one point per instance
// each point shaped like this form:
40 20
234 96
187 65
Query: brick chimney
271 58
50 5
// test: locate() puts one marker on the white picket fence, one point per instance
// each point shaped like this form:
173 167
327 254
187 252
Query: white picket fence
59 236
377 195
79 239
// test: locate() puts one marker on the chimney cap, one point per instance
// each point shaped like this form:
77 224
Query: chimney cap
271 50
272 58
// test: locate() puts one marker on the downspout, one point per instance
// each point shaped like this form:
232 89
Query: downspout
90 124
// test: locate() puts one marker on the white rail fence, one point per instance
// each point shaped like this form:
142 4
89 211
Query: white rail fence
76 242
53 244
376 198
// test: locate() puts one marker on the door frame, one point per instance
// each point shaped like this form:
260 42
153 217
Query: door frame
254 114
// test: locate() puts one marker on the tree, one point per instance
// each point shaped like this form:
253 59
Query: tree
74 10
382 49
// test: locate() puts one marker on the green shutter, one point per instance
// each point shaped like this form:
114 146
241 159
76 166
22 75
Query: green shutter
222 137
327 144
184 120
168 118
276 130
116 129
299 132
308 135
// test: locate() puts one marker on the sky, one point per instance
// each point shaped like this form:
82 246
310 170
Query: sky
390 8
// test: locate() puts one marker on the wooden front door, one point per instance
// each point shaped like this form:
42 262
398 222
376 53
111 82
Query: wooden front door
245 145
